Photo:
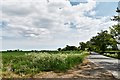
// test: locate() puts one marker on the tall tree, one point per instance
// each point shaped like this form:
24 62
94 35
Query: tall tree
102 41
115 30
82 46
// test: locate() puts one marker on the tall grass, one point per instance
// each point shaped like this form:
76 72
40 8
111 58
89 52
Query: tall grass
36 62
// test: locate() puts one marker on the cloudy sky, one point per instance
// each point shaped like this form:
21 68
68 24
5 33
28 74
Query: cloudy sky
50 24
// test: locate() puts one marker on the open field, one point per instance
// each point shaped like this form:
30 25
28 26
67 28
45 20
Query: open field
30 63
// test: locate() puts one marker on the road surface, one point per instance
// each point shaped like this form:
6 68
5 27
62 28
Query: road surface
110 64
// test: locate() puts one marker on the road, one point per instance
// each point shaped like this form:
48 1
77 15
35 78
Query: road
110 64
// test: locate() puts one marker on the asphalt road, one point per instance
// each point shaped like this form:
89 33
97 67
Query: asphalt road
110 64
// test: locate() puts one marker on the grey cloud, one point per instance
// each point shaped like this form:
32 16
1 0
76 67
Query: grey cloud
43 22
48 20
15 10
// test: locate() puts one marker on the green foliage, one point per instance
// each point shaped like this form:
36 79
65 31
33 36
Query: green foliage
70 48
101 41
117 18
31 63
59 49
82 46
115 31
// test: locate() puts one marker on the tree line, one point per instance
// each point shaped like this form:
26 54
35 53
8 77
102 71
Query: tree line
104 40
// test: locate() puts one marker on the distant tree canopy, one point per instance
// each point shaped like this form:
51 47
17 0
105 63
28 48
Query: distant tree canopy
69 48
82 46
59 49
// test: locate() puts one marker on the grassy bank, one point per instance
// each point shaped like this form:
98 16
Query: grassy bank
32 63
117 56
112 53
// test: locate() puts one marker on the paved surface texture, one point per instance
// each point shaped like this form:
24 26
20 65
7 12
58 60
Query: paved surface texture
110 64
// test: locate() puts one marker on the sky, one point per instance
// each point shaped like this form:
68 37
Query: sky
50 24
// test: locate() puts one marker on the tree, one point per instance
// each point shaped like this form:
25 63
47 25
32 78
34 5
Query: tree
115 30
59 49
82 46
70 48
117 18
102 41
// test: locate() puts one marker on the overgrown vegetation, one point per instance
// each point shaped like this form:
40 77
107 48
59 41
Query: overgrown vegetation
32 63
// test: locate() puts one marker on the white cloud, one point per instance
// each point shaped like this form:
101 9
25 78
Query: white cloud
92 13
45 20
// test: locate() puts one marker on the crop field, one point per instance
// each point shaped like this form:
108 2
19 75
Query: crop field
23 63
